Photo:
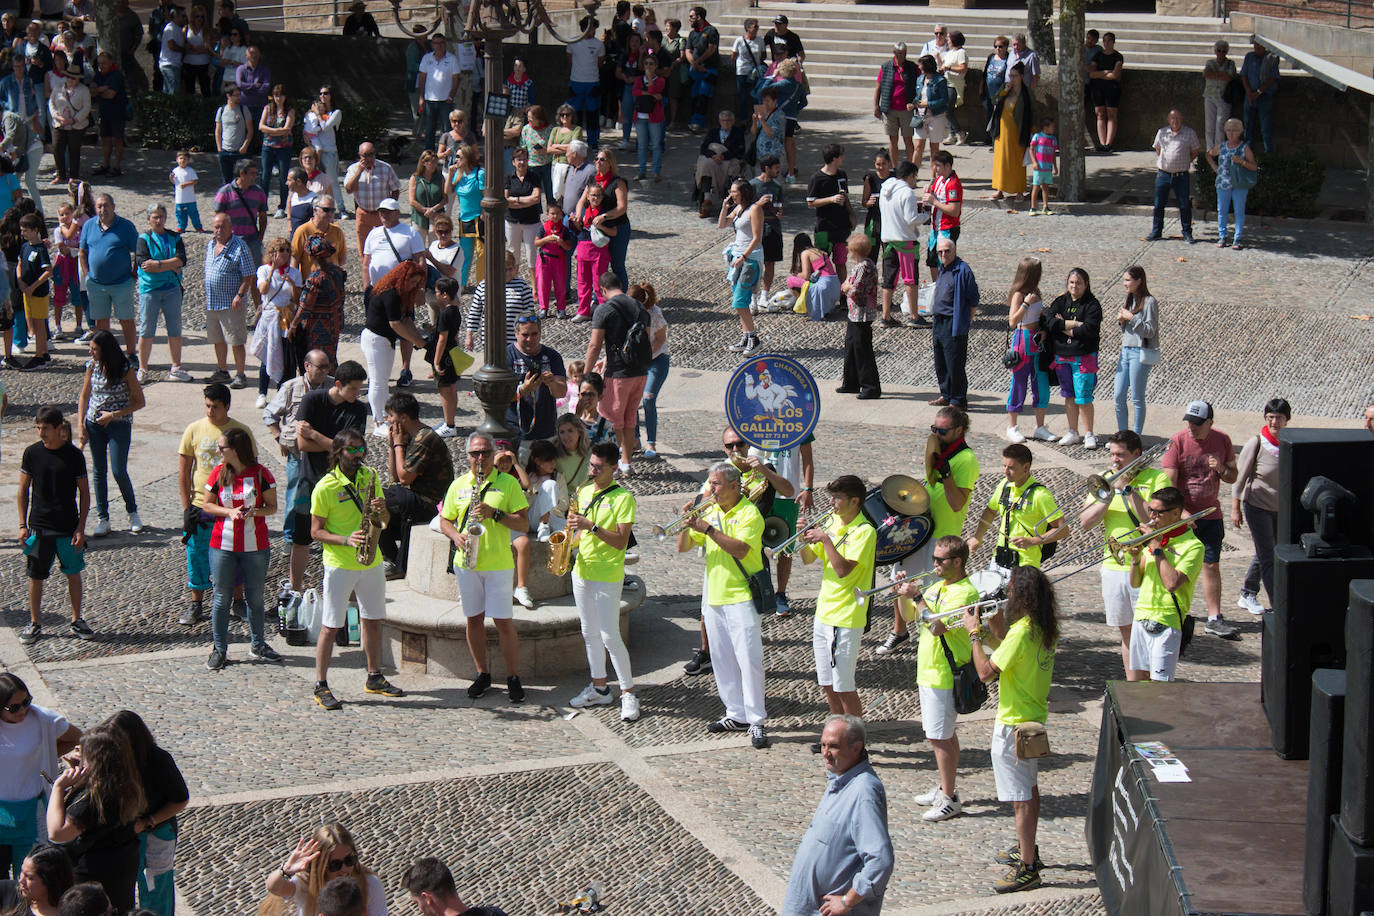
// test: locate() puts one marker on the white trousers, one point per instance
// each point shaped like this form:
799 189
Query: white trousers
737 659
1217 111
380 356
598 605
520 242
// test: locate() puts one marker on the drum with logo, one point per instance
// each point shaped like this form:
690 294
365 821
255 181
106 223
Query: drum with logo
991 583
900 510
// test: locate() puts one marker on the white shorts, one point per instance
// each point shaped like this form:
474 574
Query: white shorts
934 129
1156 653
369 585
1118 598
837 655
937 712
487 591
1015 778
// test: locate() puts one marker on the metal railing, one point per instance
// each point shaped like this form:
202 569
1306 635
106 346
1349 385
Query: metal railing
257 12
1349 13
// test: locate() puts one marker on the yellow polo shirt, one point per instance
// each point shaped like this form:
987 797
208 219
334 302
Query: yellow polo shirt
724 582
331 502
1185 553
1023 688
502 491
963 471
1117 521
1027 504
836 605
598 561
932 668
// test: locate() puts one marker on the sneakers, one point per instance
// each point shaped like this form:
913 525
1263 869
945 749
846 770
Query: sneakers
700 663
377 683
102 528
178 374
135 522
1020 877
751 345
142 376
629 707
194 613
1012 856
725 724
522 598
1070 438
325 697
515 689
739 347
758 737
240 381
1014 435
1188 237
81 629
1043 434
1217 626
238 609
86 336
479 686
944 808
279 214
261 402
265 653
405 379
381 431
216 661
1251 604
927 799
1090 442
593 695
31 633
892 642
784 606
444 431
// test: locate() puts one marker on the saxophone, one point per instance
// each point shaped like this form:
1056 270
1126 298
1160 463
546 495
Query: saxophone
474 531
561 545
371 528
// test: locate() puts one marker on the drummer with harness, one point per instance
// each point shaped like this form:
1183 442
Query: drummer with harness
1025 513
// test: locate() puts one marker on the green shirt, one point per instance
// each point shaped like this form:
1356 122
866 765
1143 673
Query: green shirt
1117 520
836 605
598 561
932 668
1155 603
1027 505
1023 688
330 500
725 584
963 470
501 491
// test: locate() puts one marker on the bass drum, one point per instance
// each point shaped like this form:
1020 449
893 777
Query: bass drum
899 536
991 583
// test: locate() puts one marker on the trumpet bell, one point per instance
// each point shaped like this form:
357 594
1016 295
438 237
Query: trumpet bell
775 532
905 495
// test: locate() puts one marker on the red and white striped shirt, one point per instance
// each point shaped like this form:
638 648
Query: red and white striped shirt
243 490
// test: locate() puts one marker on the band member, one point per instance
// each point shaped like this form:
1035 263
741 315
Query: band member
337 506
951 472
601 523
732 533
1029 518
1024 642
1121 515
1165 569
494 501
935 669
846 545
796 468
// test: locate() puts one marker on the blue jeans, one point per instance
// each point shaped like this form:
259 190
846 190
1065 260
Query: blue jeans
293 484
280 159
627 111
1165 182
227 161
951 360
114 439
227 566
649 135
1131 376
619 246
1226 199
435 119
744 97
1262 110
658 374
585 99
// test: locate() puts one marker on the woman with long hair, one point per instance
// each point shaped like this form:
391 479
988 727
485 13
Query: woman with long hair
44 877
319 318
428 194
1072 324
468 179
280 287
320 129
110 394
1139 323
239 494
574 450
277 126
814 277
613 212
165 796
94 805
743 258
534 139
1255 494
330 853
455 138
658 366
390 317
1013 117
1024 307
32 739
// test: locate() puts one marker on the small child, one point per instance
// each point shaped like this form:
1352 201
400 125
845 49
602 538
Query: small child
551 269
547 492
66 239
1044 151
184 190
33 272
592 260
446 330
861 292
568 402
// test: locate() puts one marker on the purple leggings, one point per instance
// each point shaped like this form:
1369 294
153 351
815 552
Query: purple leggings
1027 374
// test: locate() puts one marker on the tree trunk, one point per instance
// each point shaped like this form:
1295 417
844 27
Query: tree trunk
107 28
1038 13
1072 167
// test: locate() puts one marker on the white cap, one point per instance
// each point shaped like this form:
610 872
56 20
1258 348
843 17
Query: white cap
389 204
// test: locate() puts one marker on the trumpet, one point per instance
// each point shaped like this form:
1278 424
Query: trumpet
986 609
789 546
862 593
674 528
1102 487
1119 547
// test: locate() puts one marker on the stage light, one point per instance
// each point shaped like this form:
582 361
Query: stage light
1333 508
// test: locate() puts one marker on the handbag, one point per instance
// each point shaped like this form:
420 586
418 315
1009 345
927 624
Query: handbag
760 587
1186 625
1241 177
559 176
970 693
1149 356
1010 358
1032 741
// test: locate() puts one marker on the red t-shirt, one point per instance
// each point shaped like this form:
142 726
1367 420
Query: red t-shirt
243 490
947 191
1199 483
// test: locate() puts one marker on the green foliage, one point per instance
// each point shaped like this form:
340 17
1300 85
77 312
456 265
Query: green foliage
1289 184
188 122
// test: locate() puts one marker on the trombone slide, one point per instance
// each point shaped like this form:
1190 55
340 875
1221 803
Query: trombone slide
986 609
789 546
862 593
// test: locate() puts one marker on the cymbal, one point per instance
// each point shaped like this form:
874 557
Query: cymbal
905 495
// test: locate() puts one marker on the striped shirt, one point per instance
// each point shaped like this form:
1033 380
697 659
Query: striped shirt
237 491
374 186
519 302
225 269
243 206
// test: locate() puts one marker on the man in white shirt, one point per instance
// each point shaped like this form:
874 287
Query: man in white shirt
436 86
390 243
901 213
749 67
584 80
937 46
173 49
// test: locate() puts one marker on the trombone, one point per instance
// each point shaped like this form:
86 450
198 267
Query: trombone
789 546
860 594
1120 546
986 608
1101 487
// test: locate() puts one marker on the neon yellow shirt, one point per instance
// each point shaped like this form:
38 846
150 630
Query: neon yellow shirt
598 561
963 470
1027 506
932 668
724 582
331 502
502 491
1023 688
1185 553
200 443
1117 521
836 605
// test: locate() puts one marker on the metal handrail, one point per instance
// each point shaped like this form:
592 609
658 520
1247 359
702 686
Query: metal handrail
1354 17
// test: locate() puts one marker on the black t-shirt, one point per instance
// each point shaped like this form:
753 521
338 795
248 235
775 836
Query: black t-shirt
1106 63
162 781
699 40
105 852
328 419
835 219
873 185
382 309
612 317
522 187
52 499
788 45
620 30
537 417
33 262
451 320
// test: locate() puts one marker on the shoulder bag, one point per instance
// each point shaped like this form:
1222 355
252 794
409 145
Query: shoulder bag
1241 177
1032 741
760 586
970 693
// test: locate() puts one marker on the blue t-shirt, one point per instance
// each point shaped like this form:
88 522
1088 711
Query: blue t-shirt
112 109
9 183
110 251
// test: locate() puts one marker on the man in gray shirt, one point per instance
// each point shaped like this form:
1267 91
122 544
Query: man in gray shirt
280 417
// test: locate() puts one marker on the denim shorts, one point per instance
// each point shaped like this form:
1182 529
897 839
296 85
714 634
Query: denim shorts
155 302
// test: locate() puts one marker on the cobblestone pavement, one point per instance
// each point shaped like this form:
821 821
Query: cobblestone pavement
527 805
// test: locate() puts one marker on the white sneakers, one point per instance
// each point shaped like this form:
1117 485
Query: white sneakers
591 695
1251 604
1042 434
1014 435
944 808
1070 438
522 598
261 402
629 707
135 522
927 799
381 430
1090 442
102 528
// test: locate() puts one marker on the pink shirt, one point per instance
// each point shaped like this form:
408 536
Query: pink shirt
243 490
1199 483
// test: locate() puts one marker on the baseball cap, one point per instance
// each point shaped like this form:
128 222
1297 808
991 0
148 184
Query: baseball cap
780 18
389 204
1197 412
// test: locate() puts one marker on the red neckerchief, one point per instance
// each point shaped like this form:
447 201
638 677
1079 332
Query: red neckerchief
552 227
702 27
942 459
515 82
313 174
1269 436
588 215
604 180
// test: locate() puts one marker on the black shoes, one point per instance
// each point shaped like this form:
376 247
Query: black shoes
515 689
479 686
376 683
700 662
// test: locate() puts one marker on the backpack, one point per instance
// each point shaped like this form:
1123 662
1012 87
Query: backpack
637 350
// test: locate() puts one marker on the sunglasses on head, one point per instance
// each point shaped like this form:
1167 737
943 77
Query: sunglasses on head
20 706
349 860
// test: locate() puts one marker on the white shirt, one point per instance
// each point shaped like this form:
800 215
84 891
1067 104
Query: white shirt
406 239
319 132
376 897
787 462
744 64
183 195
167 57
584 53
439 75
449 256
278 293
22 754
934 50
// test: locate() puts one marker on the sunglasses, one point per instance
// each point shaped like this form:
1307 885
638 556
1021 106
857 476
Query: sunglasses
527 319
734 446
20 706
479 453
1153 511
940 430
1000 47
334 865
939 560
444 232
224 448
356 450
602 159
598 467
325 209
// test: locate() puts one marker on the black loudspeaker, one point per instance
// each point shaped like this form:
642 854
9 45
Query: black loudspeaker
1323 783
1344 455
1357 802
1350 873
1305 631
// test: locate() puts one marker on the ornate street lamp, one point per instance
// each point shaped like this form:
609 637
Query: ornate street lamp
493 21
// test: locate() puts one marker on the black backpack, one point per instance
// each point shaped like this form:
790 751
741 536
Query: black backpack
637 349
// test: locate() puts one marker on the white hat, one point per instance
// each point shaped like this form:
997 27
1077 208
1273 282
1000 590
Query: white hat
389 204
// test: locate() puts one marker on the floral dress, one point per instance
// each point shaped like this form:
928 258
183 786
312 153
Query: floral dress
321 311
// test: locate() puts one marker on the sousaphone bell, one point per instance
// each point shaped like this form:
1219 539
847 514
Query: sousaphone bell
775 532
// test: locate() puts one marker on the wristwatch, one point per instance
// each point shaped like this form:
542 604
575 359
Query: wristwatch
1157 552
497 515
